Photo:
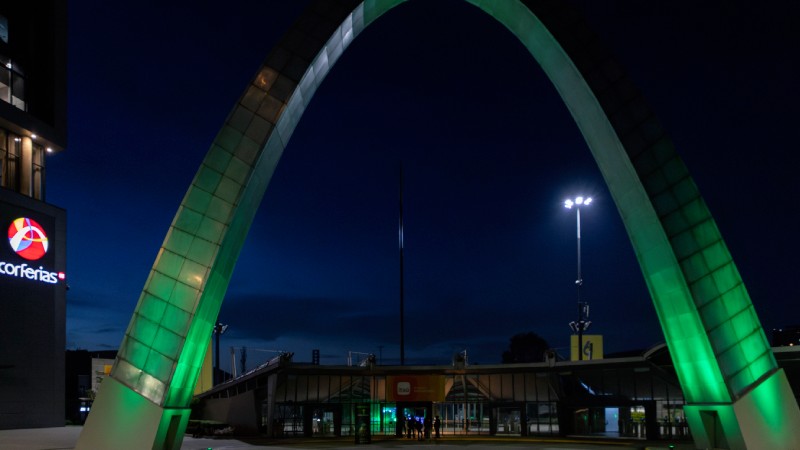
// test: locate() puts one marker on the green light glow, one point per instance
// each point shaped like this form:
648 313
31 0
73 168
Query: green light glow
714 336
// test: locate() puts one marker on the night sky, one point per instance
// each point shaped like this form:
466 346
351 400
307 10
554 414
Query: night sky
489 153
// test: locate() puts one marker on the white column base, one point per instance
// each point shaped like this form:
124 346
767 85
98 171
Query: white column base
766 417
124 420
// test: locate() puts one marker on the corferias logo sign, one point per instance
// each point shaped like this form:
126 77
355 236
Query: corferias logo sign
29 241
27 238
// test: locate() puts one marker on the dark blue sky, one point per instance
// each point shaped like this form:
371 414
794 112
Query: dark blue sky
489 155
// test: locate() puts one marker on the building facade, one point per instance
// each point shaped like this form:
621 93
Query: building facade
632 397
33 258
635 397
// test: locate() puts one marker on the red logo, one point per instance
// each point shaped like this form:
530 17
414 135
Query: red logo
27 238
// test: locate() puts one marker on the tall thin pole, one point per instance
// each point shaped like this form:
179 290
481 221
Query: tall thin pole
583 309
580 279
217 331
579 283
219 328
402 321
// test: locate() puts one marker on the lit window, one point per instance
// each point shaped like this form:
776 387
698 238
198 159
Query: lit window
12 83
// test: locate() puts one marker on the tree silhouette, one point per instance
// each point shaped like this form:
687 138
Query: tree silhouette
525 348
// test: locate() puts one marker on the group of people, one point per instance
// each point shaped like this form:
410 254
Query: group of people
415 427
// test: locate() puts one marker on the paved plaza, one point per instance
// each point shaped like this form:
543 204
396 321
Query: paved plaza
66 437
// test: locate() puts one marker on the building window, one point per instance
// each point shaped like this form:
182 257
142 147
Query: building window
5 81
12 163
37 177
12 83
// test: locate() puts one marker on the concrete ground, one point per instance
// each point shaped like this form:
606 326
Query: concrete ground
65 438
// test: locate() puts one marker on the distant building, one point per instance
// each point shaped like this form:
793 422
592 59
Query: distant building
85 372
786 336
33 257
77 384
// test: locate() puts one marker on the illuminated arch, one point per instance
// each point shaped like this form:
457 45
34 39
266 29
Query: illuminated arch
726 368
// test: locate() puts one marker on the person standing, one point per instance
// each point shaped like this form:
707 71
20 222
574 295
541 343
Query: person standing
437 422
401 425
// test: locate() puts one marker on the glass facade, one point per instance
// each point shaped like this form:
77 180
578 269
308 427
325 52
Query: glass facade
12 79
637 398
32 92
19 173
12 84
37 172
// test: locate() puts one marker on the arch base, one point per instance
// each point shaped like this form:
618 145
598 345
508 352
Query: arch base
122 419
765 417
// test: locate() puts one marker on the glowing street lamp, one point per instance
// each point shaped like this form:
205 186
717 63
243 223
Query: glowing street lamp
583 307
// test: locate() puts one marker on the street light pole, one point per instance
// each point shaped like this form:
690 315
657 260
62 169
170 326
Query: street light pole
582 324
219 328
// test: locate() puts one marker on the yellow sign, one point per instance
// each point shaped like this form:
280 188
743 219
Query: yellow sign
592 347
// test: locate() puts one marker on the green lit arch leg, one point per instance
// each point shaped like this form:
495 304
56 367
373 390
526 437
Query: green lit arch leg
728 374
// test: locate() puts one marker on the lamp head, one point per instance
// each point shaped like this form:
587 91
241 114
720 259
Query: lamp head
577 201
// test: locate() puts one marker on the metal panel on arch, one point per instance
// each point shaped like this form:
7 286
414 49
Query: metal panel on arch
726 368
